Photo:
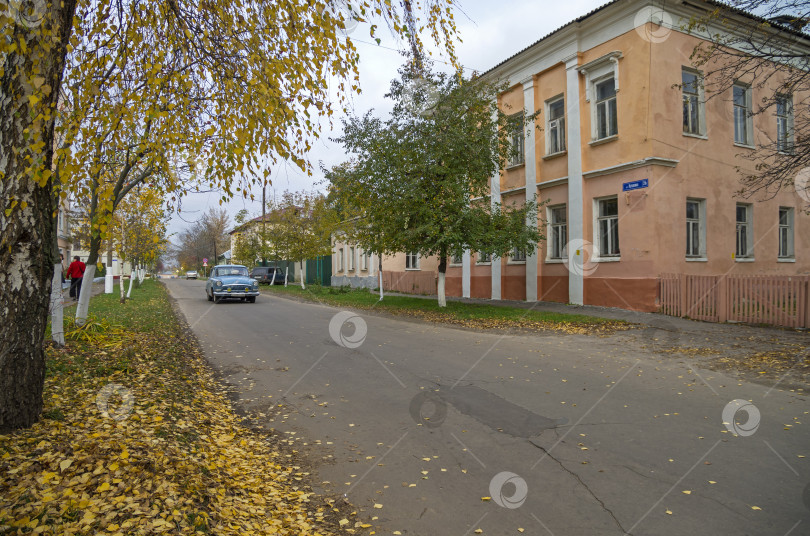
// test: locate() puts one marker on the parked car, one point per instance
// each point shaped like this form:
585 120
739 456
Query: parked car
191 274
231 281
268 274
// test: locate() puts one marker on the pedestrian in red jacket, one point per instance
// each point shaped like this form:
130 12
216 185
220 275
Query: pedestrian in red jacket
76 273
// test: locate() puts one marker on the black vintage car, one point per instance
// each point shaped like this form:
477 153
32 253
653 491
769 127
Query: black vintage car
268 274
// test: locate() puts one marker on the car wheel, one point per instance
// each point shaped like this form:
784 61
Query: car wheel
210 298
251 299
217 299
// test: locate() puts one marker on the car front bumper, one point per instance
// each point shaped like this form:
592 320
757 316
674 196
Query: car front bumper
223 293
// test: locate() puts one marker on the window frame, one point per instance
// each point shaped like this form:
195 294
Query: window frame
412 261
595 108
456 260
748 119
700 223
516 136
790 146
748 225
341 262
789 230
351 258
598 219
557 125
364 260
483 258
558 232
699 105
517 256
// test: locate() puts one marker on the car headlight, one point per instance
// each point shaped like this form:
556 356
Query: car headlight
218 283
255 283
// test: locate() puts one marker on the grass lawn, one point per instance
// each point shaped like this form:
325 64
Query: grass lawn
466 314
138 437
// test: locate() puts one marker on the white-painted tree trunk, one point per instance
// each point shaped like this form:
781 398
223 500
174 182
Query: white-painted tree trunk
303 276
57 311
381 286
131 279
442 299
121 280
84 296
141 274
286 275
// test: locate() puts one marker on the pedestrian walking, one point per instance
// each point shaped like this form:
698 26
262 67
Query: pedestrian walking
76 273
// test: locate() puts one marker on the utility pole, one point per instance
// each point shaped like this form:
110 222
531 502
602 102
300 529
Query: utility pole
264 221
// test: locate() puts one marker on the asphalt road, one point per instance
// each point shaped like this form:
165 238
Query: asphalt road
568 434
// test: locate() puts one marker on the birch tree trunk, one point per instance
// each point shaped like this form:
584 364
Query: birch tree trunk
57 309
29 87
131 278
442 273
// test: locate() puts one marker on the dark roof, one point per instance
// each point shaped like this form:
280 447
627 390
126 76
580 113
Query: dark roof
781 26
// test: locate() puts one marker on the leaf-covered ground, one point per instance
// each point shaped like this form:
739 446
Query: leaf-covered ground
468 315
137 437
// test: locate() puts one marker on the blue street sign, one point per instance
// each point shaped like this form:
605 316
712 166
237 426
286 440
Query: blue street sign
635 185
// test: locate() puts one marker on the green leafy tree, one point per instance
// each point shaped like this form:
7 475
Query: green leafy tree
302 225
421 178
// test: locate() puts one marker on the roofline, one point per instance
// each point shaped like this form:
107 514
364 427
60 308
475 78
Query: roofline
687 3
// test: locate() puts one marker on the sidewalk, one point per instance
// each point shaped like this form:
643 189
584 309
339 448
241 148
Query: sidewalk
667 330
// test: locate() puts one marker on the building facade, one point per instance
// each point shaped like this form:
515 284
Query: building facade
635 168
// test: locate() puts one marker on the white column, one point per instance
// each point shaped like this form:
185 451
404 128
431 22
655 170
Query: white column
575 203
495 265
531 186
465 274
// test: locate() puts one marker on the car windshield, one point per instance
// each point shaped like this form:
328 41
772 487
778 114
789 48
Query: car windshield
232 270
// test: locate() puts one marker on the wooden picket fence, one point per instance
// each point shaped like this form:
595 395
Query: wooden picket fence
414 282
754 299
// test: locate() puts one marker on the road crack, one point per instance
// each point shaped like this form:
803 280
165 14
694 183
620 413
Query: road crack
584 485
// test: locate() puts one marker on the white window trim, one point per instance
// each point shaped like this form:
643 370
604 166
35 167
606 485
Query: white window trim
750 235
548 103
598 257
416 268
701 256
341 264
351 259
749 118
522 156
791 141
791 257
549 246
451 263
479 261
597 71
364 259
595 116
512 260
702 132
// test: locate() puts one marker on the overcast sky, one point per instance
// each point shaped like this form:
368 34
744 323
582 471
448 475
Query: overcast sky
491 32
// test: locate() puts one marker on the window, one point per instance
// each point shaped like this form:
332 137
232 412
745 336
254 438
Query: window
559 232
692 106
784 124
484 258
555 128
695 228
456 259
340 260
351 259
607 226
518 139
364 261
518 255
411 261
745 235
743 128
785 233
606 123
